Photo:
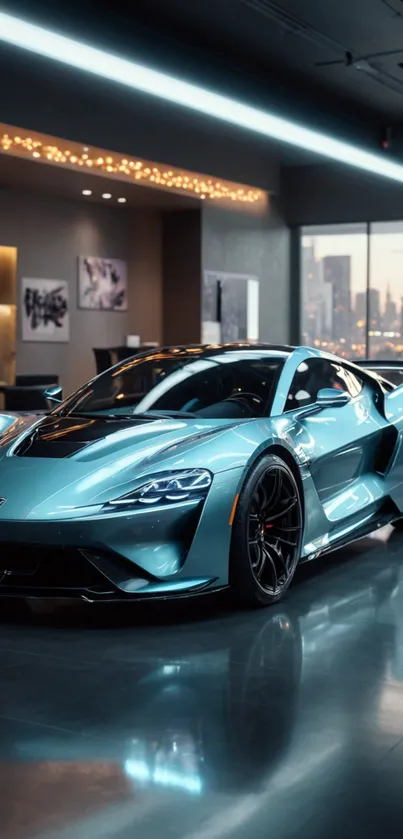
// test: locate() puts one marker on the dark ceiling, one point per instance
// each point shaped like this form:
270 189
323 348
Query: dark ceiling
60 182
337 64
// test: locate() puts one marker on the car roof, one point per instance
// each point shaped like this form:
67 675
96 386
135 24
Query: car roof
278 350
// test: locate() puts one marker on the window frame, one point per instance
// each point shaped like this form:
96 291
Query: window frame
297 252
297 234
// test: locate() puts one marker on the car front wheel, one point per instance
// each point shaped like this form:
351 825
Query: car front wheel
267 534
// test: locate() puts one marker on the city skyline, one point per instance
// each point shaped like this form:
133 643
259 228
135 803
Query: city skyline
334 294
386 258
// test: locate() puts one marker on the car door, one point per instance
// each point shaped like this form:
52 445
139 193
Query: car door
341 443
393 408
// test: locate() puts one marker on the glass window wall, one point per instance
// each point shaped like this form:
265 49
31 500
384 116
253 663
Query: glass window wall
385 333
334 280
352 289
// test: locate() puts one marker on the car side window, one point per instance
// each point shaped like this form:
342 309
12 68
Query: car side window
313 375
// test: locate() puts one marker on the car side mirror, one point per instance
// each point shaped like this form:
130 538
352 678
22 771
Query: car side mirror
54 394
332 397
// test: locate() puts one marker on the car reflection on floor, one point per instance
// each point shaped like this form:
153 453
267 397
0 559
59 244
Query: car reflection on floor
234 724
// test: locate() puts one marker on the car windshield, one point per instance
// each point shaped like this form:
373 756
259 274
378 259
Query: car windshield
190 382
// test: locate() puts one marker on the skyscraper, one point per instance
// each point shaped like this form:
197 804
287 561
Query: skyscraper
374 308
309 272
317 309
389 318
337 271
360 308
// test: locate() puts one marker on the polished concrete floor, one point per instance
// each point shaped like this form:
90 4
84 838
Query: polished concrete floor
196 722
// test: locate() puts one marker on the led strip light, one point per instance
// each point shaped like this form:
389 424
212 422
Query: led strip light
99 161
51 45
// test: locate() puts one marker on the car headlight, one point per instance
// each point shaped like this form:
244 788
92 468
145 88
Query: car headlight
171 487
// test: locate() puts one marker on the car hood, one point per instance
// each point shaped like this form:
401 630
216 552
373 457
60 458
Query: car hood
57 465
83 438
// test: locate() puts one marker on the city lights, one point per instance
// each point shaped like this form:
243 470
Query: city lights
76 54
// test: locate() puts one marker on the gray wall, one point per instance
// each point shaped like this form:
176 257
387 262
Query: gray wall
181 260
50 234
145 316
333 195
256 245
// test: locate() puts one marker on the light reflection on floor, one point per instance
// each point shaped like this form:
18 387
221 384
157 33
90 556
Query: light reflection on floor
196 722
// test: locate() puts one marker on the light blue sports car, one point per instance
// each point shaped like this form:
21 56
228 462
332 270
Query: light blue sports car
189 469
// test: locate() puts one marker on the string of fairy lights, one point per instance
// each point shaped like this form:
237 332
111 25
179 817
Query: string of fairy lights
135 170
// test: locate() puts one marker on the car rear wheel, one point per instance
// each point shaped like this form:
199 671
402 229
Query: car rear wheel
267 533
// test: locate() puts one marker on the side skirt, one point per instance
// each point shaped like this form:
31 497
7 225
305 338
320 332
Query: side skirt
350 538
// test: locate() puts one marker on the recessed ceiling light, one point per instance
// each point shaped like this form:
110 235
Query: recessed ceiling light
51 45
121 200
106 195
87 191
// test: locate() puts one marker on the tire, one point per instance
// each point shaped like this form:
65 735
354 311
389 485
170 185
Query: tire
266 534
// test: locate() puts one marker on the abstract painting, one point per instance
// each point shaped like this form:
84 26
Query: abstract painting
45 310
102 284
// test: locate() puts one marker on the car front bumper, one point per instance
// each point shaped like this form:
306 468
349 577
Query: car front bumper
175 549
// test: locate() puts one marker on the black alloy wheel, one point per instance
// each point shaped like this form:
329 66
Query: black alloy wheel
267 533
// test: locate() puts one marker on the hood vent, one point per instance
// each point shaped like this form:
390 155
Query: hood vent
34 446
60 437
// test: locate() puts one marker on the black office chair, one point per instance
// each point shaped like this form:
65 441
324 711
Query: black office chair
25 399
103 359
125 352
45 379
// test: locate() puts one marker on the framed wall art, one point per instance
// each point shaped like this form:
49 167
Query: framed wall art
45 310
102 284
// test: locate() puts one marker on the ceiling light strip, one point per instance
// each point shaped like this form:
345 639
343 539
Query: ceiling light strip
46 43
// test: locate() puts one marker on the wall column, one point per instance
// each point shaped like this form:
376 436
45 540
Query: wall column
259 246
182 276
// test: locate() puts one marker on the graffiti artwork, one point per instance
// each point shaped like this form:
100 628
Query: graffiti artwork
45 310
